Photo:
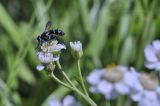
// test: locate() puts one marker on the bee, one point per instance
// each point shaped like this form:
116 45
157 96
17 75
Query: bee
49 34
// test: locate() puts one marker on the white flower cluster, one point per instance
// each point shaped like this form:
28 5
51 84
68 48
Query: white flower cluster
49 52
67 101
119 80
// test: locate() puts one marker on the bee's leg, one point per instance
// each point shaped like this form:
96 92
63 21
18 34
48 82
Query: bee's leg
58 39
38 46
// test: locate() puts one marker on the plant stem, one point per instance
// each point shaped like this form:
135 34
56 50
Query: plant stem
89 100
59 81
120 101
81 78
64 74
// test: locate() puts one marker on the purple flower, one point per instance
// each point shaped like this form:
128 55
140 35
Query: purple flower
67 101
113 81
152 55
150 92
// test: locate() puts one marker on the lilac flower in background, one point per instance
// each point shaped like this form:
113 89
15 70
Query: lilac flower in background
152 55
67 101
113 80
150 94
54 102
70 101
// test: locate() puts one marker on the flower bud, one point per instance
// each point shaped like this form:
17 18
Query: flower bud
76 49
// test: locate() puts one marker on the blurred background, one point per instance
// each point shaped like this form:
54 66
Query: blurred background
112 31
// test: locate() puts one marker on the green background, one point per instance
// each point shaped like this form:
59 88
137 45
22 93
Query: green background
111 31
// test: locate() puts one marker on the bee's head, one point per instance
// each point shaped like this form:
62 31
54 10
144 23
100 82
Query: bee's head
62 33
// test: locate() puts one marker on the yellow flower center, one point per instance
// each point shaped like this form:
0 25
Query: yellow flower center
149 82
113 74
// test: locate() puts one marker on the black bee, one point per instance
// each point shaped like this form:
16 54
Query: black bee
49 34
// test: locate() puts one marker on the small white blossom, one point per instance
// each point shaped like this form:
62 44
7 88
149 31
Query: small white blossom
152 55
48 53
67 101
113 81
40 67
45 57
76 48
52 47
55 47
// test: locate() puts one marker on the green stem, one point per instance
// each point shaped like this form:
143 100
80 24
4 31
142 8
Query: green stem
81 78
59 81
120 101
108 103
89 100
64 74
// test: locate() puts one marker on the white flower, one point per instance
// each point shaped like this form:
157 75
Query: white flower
113 81
149 94
76 46
40 67
45 57
55 47
76 49
52 47
67 101
152 55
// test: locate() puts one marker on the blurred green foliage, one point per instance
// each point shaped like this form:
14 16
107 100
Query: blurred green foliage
112 31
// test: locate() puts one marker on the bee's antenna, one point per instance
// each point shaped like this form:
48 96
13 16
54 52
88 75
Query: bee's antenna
48 25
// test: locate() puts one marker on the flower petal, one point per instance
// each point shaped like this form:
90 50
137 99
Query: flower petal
104 87
150 94
149 99
45 57
156 45
40 67
111 95
121 88
68 100
131 79
150 54
158 90
136 96
153 65
95 76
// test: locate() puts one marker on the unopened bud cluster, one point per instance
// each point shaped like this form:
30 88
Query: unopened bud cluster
76 49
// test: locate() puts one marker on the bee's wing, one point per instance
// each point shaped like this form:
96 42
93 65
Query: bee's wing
48 26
